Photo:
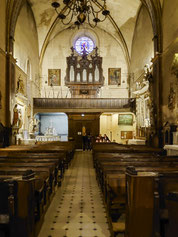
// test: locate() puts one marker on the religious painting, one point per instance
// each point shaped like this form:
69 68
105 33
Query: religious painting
125 119
54 77
114 76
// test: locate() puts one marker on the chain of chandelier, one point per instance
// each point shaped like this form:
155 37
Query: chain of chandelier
91 11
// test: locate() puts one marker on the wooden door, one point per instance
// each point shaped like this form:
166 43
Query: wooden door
76 122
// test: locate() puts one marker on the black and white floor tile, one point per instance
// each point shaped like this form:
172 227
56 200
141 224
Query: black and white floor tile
77 210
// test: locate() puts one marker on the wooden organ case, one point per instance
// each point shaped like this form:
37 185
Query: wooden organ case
84 74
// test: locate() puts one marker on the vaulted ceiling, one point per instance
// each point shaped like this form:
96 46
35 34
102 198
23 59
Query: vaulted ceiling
120 24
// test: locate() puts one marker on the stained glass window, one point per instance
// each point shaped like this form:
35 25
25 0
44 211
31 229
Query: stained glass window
84 44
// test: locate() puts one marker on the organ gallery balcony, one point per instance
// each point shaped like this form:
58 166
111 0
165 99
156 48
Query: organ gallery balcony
87 104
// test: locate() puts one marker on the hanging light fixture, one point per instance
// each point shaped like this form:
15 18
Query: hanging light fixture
90 11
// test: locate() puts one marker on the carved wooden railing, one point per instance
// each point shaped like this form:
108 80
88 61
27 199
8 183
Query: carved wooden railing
92 103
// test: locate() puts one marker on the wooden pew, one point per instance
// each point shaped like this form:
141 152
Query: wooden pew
116 194
17 205
42 187
151 204
118 148
166 204
45 160
58 159
65 148
111 166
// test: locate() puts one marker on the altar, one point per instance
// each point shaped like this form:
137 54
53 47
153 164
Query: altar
47 138
136 142
172 150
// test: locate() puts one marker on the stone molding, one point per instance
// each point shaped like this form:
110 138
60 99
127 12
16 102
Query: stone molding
2 52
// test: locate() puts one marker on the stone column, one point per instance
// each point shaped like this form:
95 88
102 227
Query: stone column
10 84
156 94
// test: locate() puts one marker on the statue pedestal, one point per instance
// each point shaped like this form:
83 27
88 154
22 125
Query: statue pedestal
15 131
172 150
16 136
175 138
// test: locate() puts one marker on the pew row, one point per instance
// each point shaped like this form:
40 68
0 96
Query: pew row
111 166
42 166
151 203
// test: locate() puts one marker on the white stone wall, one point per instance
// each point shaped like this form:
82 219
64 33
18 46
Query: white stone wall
59 48
26 53
109 126
26 46
142 44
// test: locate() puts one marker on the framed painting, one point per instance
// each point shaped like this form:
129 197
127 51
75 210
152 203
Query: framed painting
125 119
54 77
114 76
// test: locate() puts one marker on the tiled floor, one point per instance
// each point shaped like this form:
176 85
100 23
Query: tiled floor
77 209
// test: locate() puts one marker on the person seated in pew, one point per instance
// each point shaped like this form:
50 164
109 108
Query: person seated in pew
99 138
106 138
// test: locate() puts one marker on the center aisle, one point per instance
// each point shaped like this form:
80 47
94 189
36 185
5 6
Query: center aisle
77 209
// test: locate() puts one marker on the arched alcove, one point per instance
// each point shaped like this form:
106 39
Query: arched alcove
119 127
54 125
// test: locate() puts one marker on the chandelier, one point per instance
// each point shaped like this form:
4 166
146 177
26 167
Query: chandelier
90 11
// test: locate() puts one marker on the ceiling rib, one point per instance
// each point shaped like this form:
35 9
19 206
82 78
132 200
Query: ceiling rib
121 37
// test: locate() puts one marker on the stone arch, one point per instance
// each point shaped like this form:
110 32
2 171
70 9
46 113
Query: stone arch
13 10
154 9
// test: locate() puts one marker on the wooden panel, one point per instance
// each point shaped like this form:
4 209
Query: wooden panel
126 134
76 122
92 103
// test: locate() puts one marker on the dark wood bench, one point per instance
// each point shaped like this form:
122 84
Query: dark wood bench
47 162
151 201
17 205
58 159
111 166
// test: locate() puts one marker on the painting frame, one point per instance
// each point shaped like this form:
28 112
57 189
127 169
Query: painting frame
54 77
114 76
125 119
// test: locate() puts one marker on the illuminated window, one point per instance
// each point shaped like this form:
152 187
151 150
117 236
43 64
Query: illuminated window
84 44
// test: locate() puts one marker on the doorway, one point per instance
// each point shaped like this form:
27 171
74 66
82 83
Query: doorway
76 121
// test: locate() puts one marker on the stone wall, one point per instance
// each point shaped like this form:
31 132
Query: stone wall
170 48
109 48
2 62
142 53
26 54
26 47
109 126
142 44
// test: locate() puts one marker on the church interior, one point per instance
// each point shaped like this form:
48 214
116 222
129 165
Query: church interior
88 118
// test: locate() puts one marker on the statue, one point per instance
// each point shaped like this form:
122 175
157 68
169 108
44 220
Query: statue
31 125
29 110
15 116
148 75
172 98
20 122
20 86
36 125
174 68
